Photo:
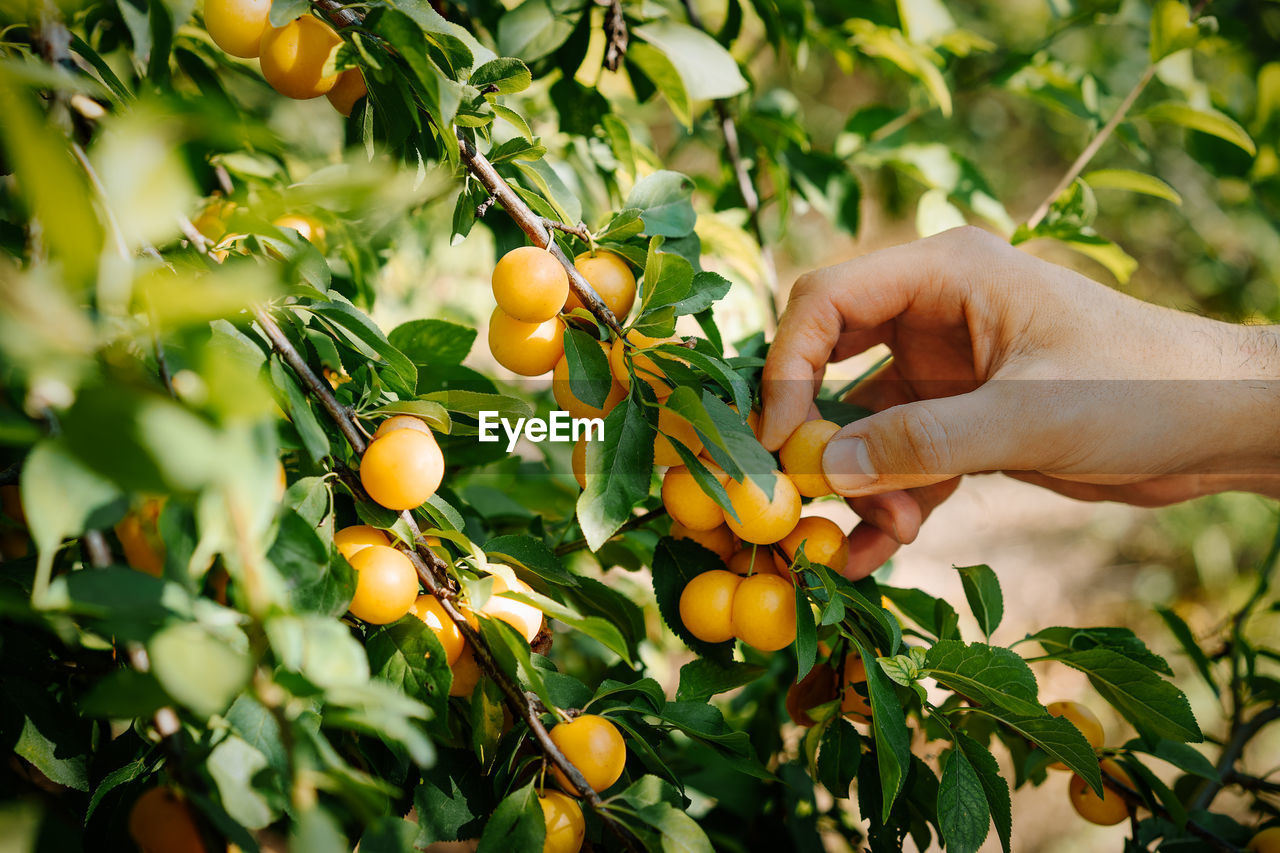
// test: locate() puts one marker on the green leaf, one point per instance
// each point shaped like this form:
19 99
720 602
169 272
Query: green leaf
963 816
431 343
1206 120
297 406
517 824
707 289
1182 632
675 563
1185 757
665 202
388 835
505 75
986 674
994 786
1117 261
982 589
233 763
1171 29
319 648
934 615
1155 707
452 800
135 769
667 278
534 29
530 553
546 181
618 473
197 669
1127 179
839 755
436 416
1059 738
700 679
806 634
592 626
665 77
486 720
590 379
706 69
407 655
359 330
889 725
124 693
1122 640
680 833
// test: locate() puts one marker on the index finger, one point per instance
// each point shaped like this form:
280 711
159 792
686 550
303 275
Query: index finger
852 296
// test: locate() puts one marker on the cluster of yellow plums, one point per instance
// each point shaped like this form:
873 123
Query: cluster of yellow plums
296 59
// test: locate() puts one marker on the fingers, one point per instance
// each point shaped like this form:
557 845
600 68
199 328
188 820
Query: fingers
869 549
927 442
901 514
852 297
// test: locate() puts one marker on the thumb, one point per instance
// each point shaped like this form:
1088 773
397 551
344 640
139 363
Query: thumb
925 442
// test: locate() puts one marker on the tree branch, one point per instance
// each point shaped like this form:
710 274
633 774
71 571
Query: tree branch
615 30
1231 753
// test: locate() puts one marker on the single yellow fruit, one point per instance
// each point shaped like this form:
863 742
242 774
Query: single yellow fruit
816 688
593 745
761 519
824 543
673 426
294 57
161 822
466 674
1083 719
350 540
349 89
308 227
1107 810
687 503
611 278
751 561
646 368
565 825
579 462
563 392
1266 841
529 349
852 705
139 535
706 605
429 609
530 284
525 618
386 585
764 612
402 469
801 456
237 26
719 541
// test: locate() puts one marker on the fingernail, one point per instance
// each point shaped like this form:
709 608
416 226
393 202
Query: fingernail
847 465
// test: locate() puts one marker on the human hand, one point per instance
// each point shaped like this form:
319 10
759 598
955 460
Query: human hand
1004 362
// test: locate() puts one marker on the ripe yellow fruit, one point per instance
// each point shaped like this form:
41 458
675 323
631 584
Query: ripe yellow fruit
593 745
1083 719
386 585
349 89
525 618
308 227
764 612
852 705
706 605
396 422
402 469
1107 810
675 426
563 392
647 370
824 543
139 535
530 284
430 611
529 349
579 462
1266 841
161 822
466 674
611 278
801 457
350 540
687 503
763 520
719 541
751 561
237 26
294 57
565 826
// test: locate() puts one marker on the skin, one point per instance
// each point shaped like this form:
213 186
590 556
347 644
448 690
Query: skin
983 334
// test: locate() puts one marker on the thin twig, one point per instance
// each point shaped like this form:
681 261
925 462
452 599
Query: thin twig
615 29
1131 796
1092 148
580 230
1231 753
632 524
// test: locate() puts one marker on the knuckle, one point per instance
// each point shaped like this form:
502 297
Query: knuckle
924 439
